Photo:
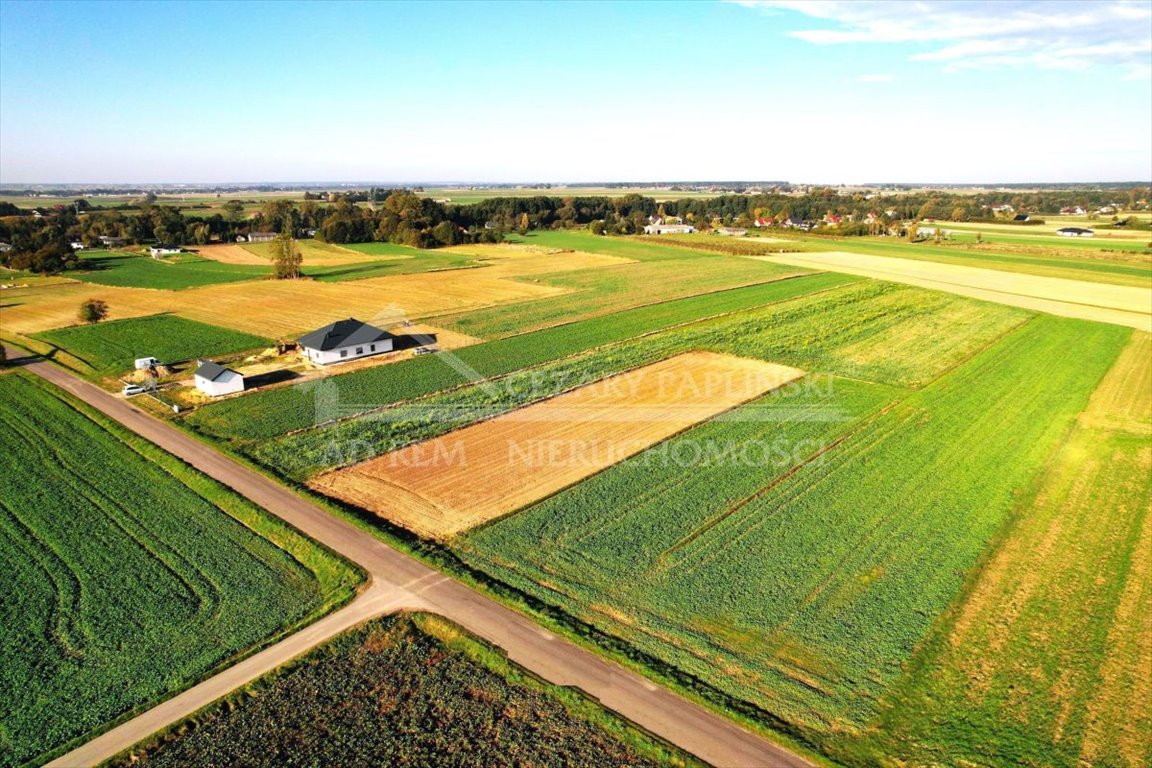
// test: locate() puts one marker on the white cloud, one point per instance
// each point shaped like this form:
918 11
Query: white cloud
1047 34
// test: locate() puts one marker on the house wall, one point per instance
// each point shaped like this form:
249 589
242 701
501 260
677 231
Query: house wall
225 385
350 353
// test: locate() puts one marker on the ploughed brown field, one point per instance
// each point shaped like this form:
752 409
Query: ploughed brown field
447 485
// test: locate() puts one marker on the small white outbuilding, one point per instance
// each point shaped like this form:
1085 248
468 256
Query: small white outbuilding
215 380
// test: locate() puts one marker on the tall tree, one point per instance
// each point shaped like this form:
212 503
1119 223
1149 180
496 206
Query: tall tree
286 258
93 311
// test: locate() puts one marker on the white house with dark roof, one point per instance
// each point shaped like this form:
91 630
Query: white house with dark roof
345 340
674 226
163 249
215 380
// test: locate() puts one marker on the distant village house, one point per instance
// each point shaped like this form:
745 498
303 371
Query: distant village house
661 227
163 249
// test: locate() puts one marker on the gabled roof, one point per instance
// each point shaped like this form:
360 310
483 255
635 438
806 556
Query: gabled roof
342 333
212 371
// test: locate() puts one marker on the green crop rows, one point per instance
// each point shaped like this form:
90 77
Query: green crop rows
808 597
408 691
111 347
123 578
835 332
268 414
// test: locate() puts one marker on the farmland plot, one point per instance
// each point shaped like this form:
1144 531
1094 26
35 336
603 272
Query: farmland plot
275 308
1049 656
1120 304
592 293
111 347
808 597
268 414
173 274
367 699
482 472
850 331
127 574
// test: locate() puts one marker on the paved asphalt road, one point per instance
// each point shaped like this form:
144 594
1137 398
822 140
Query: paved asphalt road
399 582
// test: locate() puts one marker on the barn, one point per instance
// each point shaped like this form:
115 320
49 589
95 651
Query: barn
215 380
345 340
1075 232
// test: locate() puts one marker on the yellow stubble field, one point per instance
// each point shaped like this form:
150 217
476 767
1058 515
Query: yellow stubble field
444 486
273 308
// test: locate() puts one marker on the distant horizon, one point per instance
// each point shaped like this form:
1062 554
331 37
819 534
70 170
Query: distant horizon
439 184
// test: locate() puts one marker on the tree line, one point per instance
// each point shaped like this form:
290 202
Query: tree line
44 243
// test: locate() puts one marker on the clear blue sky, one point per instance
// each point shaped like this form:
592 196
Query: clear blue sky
847 92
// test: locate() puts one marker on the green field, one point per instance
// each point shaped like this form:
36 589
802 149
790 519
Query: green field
1047 656
422 261
113 346
173 274
935 331
268 414
808 596
408 690
128 575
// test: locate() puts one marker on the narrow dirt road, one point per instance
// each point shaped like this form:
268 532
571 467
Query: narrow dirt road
400 582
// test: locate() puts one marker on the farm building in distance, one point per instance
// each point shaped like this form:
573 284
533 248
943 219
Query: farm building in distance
215 380
1075 232
732 231
162 249
660 227
345 340
261 237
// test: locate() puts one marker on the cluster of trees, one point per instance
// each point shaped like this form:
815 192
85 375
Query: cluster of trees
42 243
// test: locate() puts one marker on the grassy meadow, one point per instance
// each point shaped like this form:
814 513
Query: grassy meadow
128 574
